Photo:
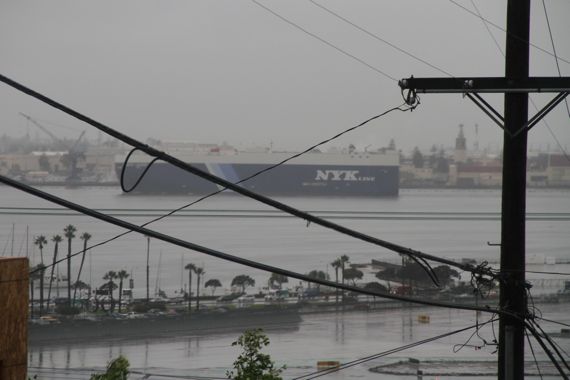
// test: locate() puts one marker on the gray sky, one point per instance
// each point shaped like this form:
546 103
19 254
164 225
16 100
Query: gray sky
214 71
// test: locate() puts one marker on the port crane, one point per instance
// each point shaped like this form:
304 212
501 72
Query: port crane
74 153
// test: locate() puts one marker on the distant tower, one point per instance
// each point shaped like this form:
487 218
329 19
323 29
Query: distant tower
460 146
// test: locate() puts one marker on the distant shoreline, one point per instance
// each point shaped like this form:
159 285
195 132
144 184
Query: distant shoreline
72 331
75 331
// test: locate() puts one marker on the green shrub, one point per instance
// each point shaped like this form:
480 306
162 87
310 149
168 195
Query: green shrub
251 363
117 369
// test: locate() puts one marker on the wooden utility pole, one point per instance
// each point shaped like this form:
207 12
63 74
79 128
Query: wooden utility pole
512 288
147 268
14 280
516 85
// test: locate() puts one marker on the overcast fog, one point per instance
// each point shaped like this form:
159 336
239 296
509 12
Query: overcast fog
230 71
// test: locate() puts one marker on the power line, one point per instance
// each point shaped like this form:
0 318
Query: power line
239 189
378 38
531 325
486 24
533 355
554 49
539 272
314 375
487 27
172 212
282 18
555 322
551 342
552 134
505 31
484 21
401 108
226 256
538 338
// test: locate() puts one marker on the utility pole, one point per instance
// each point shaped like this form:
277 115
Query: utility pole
147 268
513 210
516 85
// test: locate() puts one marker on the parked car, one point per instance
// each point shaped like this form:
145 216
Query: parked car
276 295
246 300
46 320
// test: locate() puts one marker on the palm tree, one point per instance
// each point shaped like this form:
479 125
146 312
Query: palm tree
199 272
190 268
40 242
69 233
336 265
56 239
122 275
244 281
110 276
85 237
213 283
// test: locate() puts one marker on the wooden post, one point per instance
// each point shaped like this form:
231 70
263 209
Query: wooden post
13 318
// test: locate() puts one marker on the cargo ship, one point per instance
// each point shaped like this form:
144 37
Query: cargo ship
337 172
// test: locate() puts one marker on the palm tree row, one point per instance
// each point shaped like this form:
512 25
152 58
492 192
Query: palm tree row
337 264
199 273
41 241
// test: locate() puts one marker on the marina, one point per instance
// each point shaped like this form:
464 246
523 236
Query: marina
436 221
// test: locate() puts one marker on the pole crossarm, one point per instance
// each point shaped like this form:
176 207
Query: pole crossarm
471 87
485 85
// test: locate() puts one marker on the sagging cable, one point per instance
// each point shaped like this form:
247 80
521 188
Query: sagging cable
225 256
236 188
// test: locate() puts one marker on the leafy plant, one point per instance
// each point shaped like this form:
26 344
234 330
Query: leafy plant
252 364
117 369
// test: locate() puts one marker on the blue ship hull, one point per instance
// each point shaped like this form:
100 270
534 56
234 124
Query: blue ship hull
286 180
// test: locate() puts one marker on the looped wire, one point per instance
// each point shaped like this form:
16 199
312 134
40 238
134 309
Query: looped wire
140 178
482 285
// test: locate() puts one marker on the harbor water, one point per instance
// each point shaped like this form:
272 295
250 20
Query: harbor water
457 224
